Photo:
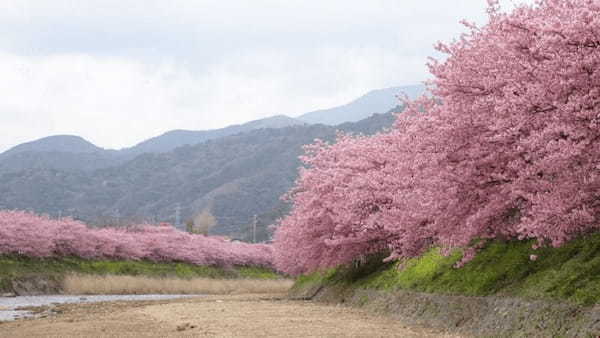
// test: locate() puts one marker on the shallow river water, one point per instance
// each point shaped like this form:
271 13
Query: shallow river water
9 305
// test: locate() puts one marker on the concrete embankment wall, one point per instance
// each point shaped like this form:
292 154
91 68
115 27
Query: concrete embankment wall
33 285
479 316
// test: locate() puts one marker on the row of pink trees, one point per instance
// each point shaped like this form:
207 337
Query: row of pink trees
27 234
507 147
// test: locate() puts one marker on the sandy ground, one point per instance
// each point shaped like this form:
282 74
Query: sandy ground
212 316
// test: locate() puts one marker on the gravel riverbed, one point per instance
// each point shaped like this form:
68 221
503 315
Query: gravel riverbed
249 316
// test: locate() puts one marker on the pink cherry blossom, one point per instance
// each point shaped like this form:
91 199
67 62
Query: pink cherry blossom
27 234
507 147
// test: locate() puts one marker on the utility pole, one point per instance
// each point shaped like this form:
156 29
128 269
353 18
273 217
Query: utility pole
177 215
254 228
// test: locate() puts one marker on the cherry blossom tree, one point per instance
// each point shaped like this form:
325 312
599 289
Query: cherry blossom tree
507 147
27 234
519 123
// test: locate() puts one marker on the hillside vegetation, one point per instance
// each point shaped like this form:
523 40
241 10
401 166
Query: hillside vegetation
30 275
569 273
233 178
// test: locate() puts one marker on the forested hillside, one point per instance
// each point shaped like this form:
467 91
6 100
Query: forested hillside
231 178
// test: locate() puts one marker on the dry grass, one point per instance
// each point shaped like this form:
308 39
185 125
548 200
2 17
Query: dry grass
105 285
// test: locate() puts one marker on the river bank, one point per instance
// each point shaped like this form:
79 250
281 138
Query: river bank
26 276
502 292
491 316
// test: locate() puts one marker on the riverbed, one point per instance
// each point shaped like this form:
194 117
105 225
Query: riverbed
215 316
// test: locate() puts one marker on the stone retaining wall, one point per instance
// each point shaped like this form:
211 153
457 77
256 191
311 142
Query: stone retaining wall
478 316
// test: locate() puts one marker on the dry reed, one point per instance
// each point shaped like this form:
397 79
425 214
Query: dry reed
111 284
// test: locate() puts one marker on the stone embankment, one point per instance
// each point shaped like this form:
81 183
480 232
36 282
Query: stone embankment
477 316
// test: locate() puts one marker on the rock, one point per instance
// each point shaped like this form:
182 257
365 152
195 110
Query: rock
10 294
183 327
186 326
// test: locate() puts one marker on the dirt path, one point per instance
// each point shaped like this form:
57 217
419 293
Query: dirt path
214 316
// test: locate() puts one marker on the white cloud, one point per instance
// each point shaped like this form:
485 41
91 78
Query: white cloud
117 72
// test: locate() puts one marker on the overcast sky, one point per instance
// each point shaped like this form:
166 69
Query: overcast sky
117 72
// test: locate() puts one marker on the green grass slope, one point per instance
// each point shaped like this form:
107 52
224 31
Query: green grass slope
569 273
14 267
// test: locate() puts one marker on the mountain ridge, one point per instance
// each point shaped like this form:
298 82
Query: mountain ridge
77 144
232 174
180 137
375 101
68 143
233 177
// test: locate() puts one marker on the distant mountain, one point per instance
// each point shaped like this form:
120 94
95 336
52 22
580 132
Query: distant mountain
232 173
67 150
177 138
73 153
376 101
61 160
58 143
232 177
373 124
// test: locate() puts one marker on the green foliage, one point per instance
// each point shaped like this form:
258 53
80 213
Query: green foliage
12 267
315 278
571 272
359 270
